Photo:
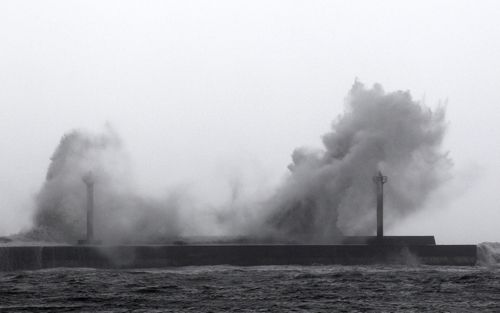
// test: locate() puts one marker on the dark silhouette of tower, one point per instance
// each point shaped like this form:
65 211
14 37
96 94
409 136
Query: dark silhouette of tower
380 180
89 180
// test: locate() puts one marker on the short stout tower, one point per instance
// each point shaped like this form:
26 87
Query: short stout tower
380 180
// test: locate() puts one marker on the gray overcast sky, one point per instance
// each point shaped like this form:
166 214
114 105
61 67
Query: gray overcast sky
206 92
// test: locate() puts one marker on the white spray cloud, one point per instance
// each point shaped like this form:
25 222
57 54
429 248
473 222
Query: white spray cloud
330 193
120 215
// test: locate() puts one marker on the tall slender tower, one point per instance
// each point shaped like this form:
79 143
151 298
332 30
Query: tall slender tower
380 180
89 180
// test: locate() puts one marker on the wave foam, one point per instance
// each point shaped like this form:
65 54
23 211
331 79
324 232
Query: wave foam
488 254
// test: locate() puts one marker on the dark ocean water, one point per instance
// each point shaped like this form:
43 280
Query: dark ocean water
254 289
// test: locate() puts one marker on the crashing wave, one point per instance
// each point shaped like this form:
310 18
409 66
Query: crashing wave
488 254
39 236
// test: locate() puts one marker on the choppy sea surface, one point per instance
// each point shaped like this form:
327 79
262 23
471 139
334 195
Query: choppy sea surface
254 289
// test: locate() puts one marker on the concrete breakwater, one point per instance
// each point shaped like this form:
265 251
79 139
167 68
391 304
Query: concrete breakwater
157 256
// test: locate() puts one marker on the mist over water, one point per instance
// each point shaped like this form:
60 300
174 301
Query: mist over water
327 194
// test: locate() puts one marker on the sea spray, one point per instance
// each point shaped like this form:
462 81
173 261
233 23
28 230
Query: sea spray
121 215
488 254
330 193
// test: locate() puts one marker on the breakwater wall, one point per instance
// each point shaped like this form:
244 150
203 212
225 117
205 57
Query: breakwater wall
157 256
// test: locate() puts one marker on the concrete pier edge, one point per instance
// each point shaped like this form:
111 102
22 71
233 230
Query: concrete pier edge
159 256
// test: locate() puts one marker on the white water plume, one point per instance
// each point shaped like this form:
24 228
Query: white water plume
121 214
330 193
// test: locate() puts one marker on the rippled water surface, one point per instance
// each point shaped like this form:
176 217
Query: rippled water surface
251 289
